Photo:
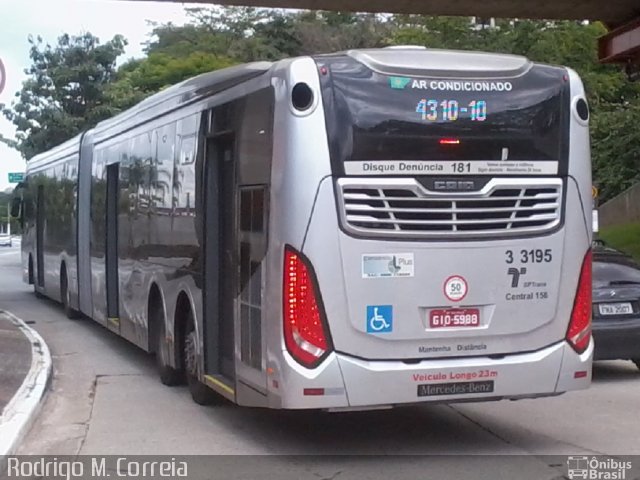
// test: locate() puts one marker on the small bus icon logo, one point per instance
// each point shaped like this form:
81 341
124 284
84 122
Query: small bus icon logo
578 467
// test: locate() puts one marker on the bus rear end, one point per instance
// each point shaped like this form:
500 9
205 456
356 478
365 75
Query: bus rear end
432 234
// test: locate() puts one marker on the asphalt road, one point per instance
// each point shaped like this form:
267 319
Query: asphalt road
106 399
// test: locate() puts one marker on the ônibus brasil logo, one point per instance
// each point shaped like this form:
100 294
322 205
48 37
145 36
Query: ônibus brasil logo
399 83
597 468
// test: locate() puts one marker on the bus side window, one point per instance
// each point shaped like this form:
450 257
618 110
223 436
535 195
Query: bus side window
252 239
255 138
188 150
184 174
163 178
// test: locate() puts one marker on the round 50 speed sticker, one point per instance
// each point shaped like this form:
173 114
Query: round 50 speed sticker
455 288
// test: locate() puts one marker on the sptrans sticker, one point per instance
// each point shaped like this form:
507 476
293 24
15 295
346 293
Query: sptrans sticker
455 288
379 318
387 265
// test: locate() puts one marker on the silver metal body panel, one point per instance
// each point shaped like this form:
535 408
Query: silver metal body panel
56 172
462 64
520 340
300 163
85 299
355 383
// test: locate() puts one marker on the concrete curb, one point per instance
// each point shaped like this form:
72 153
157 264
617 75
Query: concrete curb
20 412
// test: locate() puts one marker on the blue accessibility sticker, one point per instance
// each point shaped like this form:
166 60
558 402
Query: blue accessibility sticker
379 318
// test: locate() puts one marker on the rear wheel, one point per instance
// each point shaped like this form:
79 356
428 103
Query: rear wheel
636 361
168 375
200 393
65 296
32 279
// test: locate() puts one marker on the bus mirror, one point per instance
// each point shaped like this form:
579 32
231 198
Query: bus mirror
16 206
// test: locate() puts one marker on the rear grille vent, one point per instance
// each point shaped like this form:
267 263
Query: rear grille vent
404 208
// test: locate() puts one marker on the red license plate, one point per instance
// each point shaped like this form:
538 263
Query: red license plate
454 318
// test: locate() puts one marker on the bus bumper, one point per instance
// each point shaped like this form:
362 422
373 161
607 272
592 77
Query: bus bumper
372 384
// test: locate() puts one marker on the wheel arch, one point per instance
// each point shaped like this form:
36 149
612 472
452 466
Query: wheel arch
64 270
155 299
184 306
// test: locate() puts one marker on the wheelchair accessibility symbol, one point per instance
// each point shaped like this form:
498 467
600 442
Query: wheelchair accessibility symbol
379 318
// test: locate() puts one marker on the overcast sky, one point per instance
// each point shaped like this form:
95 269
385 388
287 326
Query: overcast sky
50 19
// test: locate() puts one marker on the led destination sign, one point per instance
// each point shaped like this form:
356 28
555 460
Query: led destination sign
434 125
451 110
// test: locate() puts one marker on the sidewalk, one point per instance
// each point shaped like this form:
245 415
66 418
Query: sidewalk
25 372
15 359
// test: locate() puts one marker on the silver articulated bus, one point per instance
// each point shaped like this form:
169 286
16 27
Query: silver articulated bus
358 230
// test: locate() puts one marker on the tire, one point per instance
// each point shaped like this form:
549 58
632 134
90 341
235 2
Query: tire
65 296
636 361
31 280
169 375
200 393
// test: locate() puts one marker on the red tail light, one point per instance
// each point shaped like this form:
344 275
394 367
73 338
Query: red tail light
579 331
305 334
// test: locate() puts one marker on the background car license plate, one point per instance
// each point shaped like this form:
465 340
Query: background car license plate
615 308
454 317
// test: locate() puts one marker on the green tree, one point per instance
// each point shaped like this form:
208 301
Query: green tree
432 32
216 38
616 148
326 32
64 93
158 71
245 34
222 31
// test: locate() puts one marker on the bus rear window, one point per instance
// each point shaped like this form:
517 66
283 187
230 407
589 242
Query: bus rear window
376 117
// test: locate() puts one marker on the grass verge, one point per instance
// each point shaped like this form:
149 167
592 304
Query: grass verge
623 237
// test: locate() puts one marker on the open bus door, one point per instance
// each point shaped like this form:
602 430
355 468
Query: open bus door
220 273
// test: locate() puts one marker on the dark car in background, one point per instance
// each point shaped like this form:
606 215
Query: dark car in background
616 305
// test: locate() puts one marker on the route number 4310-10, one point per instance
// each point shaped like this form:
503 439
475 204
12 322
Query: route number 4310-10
450 110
